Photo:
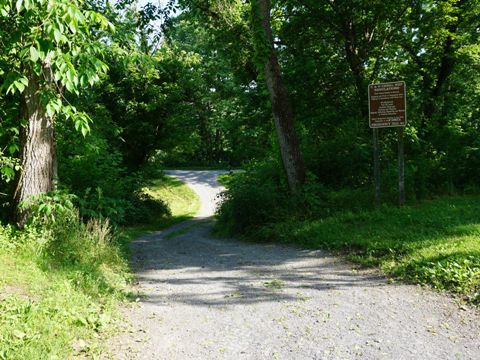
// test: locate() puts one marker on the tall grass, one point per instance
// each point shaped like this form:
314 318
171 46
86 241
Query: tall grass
60 281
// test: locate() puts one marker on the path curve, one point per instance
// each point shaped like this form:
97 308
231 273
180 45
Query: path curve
208 298
205 184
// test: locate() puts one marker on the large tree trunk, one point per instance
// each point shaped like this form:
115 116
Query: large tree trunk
38 158
281 106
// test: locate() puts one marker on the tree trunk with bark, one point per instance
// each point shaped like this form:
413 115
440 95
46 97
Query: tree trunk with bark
434 88
38 156
281 106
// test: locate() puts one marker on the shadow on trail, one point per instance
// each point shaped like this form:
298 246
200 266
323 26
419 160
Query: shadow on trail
185 265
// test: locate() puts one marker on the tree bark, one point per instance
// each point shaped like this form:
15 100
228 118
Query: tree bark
354 60
281 105
447 64
38 156
434 88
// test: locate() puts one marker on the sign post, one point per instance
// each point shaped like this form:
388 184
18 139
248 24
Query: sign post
387 107
376 167
401 168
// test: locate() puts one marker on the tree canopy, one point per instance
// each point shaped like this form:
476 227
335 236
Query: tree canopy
189 84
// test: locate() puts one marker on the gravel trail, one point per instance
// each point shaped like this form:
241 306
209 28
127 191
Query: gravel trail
208 298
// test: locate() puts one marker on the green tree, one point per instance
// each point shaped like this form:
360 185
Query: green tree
223 116
52 48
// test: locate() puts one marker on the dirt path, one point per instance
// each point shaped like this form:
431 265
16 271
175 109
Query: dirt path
209 298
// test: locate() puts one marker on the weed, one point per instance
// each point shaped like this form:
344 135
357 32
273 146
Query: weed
274 284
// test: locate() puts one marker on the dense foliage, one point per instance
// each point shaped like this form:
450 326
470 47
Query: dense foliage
196 97
330 52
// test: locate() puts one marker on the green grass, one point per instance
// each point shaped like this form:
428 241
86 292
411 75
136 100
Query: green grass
44 315
183 202
60 290
435 243
54 308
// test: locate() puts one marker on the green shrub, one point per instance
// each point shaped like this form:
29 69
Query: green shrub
260 196
144 208
6 234
95 205
47 208
94 170
254 197
134 208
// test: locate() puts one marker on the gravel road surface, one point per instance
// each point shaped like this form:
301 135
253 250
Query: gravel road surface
208 298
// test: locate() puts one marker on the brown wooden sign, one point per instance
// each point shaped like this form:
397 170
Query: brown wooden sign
387 104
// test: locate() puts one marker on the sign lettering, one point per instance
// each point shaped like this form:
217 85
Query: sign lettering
387 104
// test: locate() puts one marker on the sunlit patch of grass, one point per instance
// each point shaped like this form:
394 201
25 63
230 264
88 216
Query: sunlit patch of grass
184 203
181 199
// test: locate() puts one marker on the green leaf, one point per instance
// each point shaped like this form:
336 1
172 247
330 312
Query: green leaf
28 4
57 35
19 84
50 110
19 5
23 80
34 55
13 148
7 173
71 74
69 85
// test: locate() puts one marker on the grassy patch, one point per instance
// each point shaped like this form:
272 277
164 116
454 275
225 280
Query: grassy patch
53 305
46 316
60 284
183 202
435 243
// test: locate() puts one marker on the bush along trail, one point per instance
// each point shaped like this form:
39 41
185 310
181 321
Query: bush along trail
217 298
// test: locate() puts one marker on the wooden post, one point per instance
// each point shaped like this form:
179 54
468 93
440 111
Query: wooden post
376 167
401 167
